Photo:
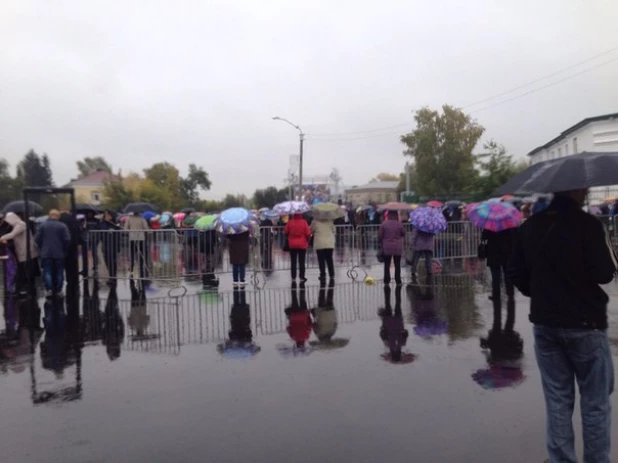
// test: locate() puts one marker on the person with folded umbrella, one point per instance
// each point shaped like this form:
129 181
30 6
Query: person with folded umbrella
297 233
27 270
561 258
390 236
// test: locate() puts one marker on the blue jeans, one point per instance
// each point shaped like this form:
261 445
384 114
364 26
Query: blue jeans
238 272
565 356
53 274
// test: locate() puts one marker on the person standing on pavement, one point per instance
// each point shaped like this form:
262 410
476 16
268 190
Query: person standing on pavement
238 249
137 226
110 240
390 235
423 244
297 233
560 259
53 239
27 270
324 244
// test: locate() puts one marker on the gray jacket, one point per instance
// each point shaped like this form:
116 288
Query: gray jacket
53 239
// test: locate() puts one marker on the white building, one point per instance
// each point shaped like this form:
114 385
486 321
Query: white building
598 134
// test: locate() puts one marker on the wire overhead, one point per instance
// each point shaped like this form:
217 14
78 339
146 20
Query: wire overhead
388 131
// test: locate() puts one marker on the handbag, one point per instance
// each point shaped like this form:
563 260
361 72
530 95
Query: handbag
380 256
482 250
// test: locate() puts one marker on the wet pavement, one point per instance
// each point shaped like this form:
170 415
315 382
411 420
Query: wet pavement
277 373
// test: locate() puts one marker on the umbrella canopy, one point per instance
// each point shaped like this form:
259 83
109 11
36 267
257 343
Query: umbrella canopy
84 208
179 216
327 211
291 207
19 207
395 206
494 216
584 170
139 207
266 213
41 219
428 219
166 218
366 207
434 203
235 220
206 222
469 207
189 221
147 215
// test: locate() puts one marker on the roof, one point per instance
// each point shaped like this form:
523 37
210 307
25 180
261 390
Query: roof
93 179
572 129
386 185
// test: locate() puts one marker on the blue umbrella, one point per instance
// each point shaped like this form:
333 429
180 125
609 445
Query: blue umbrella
235 220
147 215
233 350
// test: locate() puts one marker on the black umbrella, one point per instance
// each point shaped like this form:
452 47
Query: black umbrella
83 208
19 207
188 210
584 170
139 208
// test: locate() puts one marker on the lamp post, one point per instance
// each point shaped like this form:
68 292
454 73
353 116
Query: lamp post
300 160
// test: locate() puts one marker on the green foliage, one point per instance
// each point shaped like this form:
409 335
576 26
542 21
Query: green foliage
442 145
496 166
117 194
384 177
89 165
270 196
10 189
197 179
234 201
34 170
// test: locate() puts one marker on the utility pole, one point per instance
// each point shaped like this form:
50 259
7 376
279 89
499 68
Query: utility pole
300 165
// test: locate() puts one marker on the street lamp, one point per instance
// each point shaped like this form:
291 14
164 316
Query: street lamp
302 140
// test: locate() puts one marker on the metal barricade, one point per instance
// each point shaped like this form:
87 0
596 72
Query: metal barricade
176 255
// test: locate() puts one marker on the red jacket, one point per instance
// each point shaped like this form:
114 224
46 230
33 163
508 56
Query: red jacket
299 327
298 232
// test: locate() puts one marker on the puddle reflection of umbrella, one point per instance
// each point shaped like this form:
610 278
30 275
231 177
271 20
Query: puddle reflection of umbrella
498 377
288 351
233 350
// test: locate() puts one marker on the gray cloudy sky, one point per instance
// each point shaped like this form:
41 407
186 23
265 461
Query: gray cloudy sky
198 81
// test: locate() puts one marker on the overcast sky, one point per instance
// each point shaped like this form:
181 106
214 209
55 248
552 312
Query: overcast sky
198 81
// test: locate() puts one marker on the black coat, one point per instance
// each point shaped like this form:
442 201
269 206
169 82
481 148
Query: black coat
499 246
561 257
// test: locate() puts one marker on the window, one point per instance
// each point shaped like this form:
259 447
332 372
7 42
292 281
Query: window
95 196
566 149
552 155
575 145
559 152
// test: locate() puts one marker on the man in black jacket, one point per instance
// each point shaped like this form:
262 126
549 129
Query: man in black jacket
561 257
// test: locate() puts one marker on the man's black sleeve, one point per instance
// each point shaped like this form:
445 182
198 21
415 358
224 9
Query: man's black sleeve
517 269
599 256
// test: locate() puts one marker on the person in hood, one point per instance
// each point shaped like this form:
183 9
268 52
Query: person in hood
26 269
297 232
560 260
53 239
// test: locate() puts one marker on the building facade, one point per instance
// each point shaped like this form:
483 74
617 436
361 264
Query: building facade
89 189
594 134
375 192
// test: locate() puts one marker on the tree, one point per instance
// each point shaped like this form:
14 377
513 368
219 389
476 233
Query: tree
162 179
496 166
442 145
34 170
196 180
268 197
384 177
233 201
89 165
9 187
401 187
117 194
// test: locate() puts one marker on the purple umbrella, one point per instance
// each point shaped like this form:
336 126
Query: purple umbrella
428 219
498 377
